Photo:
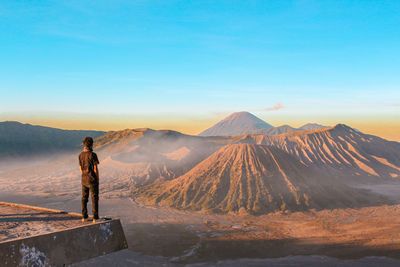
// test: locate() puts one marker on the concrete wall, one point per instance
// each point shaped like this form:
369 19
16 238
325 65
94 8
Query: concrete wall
64 247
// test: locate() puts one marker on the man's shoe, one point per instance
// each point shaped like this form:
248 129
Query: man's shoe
95 219
85 219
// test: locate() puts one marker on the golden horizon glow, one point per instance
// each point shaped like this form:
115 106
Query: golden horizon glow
387 128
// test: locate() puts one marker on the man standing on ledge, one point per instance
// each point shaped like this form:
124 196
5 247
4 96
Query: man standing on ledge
88 162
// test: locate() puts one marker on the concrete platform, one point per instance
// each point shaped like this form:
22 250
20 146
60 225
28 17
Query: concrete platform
33 236
19 221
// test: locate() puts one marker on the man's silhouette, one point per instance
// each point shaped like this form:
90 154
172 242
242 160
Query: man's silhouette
88 162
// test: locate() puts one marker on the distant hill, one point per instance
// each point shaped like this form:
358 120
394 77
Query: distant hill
287 128
275 130
255 179
236 124
312 126
19 140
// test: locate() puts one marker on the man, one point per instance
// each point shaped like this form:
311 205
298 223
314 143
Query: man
88 162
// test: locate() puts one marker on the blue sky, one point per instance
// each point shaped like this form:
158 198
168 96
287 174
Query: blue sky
200 59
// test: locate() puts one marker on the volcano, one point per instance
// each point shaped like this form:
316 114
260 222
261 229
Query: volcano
254 179
236 124
340 151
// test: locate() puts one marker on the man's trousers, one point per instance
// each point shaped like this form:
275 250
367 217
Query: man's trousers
94 192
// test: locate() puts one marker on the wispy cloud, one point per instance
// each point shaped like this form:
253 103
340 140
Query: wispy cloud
277 106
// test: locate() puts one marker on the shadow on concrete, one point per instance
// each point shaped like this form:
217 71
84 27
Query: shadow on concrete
44 219
26 214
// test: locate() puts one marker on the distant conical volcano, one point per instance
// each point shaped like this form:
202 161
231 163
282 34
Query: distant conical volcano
253 178
236 124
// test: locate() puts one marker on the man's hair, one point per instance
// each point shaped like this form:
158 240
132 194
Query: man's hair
87 142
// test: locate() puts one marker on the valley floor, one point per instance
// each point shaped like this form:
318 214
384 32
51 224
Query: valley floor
179 237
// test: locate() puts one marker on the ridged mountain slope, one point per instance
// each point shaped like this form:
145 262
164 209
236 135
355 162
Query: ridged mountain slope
255 179
340 150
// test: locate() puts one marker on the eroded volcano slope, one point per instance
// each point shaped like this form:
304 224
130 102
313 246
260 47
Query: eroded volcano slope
255 179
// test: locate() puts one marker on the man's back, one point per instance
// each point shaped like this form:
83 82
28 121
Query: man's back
88 160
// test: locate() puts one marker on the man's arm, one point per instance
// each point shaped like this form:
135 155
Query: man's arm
80 164
96 171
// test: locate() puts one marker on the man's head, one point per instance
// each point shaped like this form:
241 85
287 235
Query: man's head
88 142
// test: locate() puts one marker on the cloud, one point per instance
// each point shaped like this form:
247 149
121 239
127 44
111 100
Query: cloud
277 106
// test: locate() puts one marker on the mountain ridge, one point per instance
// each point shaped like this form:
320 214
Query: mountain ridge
23 140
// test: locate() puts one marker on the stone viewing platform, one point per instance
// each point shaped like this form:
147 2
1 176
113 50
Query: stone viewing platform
46 237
